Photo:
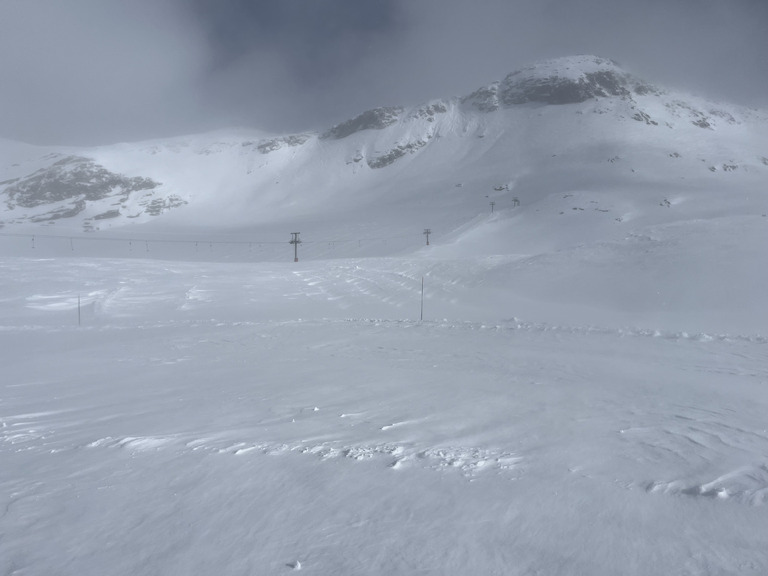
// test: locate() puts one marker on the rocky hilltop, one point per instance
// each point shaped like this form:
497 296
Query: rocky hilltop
561 81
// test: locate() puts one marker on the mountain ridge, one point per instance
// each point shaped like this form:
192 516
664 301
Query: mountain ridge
549 126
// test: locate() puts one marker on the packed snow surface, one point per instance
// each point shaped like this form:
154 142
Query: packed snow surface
254 418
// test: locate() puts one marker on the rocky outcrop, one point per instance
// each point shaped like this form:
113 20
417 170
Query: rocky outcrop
397 152
73 179
375 119
267 146
562 81
65 188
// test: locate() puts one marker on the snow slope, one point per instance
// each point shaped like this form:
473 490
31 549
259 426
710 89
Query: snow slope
586 392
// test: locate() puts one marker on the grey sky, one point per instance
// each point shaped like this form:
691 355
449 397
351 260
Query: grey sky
100 71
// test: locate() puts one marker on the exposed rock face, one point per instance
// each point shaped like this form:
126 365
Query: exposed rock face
69 211
66 186
375 119
562 81
397 152
75 179
429 111
267 146
485 99
518 89
157 206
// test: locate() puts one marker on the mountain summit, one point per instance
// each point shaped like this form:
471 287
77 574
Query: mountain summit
568 80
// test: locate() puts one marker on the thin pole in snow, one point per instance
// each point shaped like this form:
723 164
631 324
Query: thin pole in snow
421 315
78 309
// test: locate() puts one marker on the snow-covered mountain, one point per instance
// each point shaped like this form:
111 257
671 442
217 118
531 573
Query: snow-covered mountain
564 169
565 135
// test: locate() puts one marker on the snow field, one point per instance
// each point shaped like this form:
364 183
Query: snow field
193 424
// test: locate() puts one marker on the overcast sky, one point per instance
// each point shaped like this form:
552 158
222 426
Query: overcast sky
102 71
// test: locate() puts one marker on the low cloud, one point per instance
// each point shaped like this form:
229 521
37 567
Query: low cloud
99 71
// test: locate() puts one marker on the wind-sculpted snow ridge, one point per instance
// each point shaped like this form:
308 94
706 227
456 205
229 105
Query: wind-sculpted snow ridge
33 432
704 436
746 485
467 460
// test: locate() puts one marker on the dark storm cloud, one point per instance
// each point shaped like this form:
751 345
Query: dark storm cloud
314 36
90 71
292 64
718 47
